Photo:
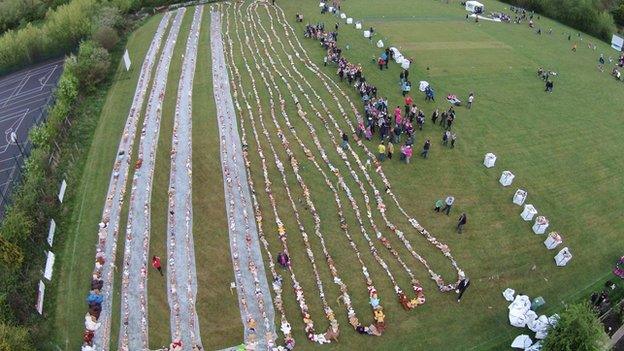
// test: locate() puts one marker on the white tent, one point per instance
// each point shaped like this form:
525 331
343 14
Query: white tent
474 7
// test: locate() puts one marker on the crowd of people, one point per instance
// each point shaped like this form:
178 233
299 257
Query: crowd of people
396 128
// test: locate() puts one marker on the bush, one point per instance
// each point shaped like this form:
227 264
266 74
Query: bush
584 15
106 37
14 338
91 64
578 330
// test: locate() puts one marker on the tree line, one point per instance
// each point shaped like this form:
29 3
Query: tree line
589 16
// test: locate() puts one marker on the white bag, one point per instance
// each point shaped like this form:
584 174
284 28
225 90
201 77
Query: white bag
367 34
349 20
380 44
358 25
522 342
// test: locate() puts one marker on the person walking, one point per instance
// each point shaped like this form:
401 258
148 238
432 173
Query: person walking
390 149
381 151
380 62
461 288
407 151
470 100
461 222
156 264
549 86
425 151
445 138
453 138
448 203
438 205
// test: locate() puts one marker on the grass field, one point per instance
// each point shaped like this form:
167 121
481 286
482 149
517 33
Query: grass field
563 148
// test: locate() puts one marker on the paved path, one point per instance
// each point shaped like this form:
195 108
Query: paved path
109 227
252 287
181 273
133 334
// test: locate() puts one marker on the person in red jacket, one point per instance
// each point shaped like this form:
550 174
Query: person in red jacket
408 103
156 264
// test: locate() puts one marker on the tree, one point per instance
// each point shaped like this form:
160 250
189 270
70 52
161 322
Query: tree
578 329
618 15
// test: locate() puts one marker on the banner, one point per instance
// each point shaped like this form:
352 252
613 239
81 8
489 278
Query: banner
39 305
126 58
47 273
51 232
617 43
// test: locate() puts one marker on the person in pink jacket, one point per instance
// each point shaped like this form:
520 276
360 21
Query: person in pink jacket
407 151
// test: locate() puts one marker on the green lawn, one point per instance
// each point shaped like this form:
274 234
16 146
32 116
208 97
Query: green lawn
562 147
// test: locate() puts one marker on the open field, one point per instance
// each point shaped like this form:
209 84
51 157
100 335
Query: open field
563 148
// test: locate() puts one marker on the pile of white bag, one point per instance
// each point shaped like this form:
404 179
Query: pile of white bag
521 316
399 58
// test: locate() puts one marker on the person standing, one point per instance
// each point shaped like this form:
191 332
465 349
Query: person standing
461 222
381 151
453 138
156 264
408 103
448 203
461 288
438 205
435 115
407 151
449 122
345 141
443 118
445 138
390 149
470 100
425 151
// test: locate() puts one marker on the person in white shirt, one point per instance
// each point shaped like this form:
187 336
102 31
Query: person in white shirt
470 100
448 203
